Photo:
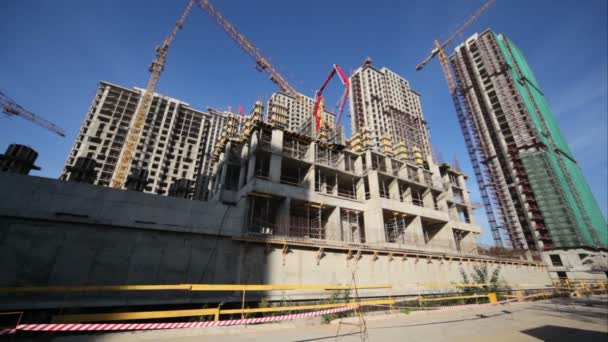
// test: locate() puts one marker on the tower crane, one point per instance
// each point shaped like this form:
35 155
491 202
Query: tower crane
133 135
465 120
10 107
262 63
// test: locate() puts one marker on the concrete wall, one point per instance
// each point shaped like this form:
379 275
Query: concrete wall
58 233
578 263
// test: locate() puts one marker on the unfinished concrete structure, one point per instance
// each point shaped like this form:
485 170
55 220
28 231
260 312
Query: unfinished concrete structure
539 188
386 113
73 233
18 159
292 186
175 145
291 114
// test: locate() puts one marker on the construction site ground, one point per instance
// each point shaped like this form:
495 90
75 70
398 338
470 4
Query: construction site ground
560 319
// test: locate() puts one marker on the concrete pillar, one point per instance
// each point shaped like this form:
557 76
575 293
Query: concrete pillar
374 188
333 228
414 233
244 162
359 164
407 195
310 154
374 226
276 146
283 216
360 189
368 160
393 190
252 149
427 199
224 165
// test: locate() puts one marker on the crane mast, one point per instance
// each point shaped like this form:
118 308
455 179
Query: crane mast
262 63
465 121
134 133
10 107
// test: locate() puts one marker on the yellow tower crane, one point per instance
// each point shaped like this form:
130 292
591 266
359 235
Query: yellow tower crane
133 135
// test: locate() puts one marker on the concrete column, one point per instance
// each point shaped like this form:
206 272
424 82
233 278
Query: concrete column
310 154
276 146
368 159
310 178
252 149
388 164
393 190
360 190
244 162
374 188
359 164
427 199
414 232
374 226
407 195
333 228
283 216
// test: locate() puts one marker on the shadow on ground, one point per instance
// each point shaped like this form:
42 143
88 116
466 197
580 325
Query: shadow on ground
557 333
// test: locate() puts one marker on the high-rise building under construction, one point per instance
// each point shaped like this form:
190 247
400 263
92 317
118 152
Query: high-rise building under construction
543 199
173 155
386 113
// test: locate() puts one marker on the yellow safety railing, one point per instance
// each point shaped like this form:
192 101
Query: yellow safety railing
217 312
187 287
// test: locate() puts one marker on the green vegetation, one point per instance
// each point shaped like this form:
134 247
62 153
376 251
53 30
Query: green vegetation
480 275
338 296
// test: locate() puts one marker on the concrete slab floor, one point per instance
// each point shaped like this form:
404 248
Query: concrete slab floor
549 320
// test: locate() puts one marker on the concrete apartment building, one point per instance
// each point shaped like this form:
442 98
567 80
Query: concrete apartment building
175 145
384 106
287 184
544 200
295 115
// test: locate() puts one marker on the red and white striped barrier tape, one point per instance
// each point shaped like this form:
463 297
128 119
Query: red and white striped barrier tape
174 325
7 331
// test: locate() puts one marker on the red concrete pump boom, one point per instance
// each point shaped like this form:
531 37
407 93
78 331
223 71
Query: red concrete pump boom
319 95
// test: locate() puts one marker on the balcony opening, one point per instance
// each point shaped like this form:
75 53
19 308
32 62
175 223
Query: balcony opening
262 164
430 228
395 225
417 197
262 214
347 186
295 148
293 172
325 181
308 220
384 184
232 177
353 228
378 162
459 236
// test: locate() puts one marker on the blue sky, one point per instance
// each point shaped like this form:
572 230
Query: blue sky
55 52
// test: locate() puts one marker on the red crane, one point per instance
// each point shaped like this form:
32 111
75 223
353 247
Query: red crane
319 95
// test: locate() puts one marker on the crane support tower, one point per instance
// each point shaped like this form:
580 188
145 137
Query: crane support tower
319 95
464 115
11 108
134 133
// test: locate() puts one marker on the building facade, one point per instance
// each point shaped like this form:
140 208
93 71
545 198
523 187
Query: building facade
288 185
384 106
540 189
176 142
295 115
